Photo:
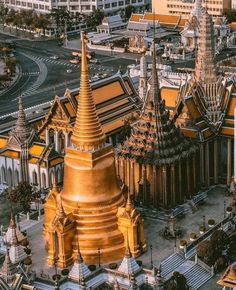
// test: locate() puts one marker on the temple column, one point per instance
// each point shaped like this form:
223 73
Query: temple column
188 178
194 172
56 141
202 165
164 191
229 160
180 182
173 192
66 139
207 164
131 188
154 176
216 161
47 137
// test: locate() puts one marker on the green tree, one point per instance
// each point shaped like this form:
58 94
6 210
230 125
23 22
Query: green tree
207 253
219 240
95 18
22 194
177 282
230 14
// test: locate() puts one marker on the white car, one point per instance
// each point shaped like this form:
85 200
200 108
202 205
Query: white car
69 71
54 57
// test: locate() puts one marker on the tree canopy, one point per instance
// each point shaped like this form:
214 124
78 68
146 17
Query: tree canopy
22 194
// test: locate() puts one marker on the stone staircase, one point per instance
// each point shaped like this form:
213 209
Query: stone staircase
197 276
171 263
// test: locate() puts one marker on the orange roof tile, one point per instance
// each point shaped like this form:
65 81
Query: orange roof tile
112 126
33 160
11 154
36 149
231 107
56 161
167 19
3 142
227 131
170 96
112 106
189 133
136 17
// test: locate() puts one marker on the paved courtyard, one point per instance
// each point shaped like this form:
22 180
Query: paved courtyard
213 207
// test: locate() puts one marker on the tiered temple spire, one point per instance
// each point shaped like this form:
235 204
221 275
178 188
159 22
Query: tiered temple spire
88 133
8 270
205 69
22 130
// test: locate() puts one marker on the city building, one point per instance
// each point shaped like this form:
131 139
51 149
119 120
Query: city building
184 7
24 157
90 211
74 6
156 156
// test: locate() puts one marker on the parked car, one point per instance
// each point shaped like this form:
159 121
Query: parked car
74 61
94 60
69 71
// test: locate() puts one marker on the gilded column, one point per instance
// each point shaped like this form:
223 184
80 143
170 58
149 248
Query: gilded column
144 184
56 141
229 160
216 173
66 139
47 136
131 188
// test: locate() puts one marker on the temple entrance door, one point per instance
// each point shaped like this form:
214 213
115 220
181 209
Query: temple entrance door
56 246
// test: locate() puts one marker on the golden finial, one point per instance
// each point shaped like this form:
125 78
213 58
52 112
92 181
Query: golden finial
88 134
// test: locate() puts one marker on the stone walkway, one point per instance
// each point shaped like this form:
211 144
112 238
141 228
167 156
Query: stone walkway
212 208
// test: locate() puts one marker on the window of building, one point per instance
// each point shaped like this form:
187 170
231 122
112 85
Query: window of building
121 3
114 4
107 5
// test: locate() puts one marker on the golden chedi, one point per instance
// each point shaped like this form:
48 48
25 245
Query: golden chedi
90 194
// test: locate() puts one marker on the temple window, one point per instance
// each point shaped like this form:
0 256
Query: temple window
44 180
35 178
9 175
3 171
16 176
61 138
51 137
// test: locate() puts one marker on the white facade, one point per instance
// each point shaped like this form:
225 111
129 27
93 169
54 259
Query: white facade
82 6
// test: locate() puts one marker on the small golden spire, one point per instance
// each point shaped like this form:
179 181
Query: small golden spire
87 134
129 205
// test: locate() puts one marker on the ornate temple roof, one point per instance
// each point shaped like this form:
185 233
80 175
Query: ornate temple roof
208 98
154 137
8 270
16 252
22 132
229 278
205 71
79 270
12 230
128 264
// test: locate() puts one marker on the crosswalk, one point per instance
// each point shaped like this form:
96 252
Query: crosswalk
56 62
33 73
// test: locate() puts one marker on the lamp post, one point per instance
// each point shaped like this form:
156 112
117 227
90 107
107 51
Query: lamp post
224 208
151 255
204 221
99 261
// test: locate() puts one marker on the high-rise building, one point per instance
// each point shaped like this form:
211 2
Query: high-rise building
184 7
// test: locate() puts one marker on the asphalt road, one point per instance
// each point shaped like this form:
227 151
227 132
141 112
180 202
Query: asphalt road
41 77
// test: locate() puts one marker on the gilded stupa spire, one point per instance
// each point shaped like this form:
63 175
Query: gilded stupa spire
88 134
